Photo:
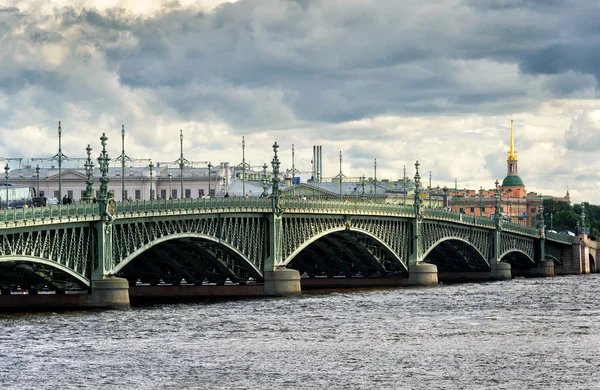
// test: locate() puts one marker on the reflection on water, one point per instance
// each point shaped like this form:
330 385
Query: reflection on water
519 334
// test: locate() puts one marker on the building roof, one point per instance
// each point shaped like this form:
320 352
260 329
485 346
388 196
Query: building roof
513 181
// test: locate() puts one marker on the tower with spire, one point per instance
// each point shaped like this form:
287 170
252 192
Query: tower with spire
512 181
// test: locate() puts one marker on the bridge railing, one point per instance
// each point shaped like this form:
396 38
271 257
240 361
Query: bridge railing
142 206
446 215
559 237
49 212
520 229
311 204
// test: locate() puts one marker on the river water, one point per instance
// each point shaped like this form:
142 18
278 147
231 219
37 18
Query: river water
518 334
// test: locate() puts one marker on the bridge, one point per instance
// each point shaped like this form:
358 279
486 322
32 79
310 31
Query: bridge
262 246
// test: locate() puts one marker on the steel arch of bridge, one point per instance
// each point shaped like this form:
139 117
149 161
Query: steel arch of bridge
29 259
435 245
123 263
322 234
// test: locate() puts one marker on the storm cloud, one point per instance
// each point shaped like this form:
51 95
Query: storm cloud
306 72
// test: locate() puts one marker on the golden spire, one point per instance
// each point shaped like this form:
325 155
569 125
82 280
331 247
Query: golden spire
512 153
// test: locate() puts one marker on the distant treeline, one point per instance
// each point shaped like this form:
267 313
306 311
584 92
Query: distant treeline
565 217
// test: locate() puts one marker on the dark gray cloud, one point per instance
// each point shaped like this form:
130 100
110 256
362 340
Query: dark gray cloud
324 61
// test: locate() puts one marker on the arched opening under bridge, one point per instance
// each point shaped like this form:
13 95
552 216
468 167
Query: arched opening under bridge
192 259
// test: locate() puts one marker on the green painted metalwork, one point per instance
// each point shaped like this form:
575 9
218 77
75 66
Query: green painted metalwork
551 236
92 241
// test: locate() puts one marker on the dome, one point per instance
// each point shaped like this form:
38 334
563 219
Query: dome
512 181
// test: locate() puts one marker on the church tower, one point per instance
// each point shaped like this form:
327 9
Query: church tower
512 181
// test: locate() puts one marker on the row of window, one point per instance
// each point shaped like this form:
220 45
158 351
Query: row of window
137 194
533 210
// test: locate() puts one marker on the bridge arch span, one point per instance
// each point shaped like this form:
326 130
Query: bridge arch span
517 252
178 236
340 229
456 254
454 238
36 260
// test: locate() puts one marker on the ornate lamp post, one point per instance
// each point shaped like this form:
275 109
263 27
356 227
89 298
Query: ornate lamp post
404 181
319 184
122 163
170 191
181 160
551 216
89 173
293 173
480 201
497 203
60 156
151 166
363 187
37 179
209 168
244 167
265 181
6 169
340 175
429 189
375 178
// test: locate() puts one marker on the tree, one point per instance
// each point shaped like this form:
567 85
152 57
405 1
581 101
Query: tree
565 220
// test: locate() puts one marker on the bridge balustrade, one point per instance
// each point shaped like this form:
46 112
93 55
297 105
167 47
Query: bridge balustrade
520 229
188 204
75 210
559 237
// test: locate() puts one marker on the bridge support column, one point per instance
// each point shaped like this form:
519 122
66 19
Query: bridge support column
282 282
545 268
110 293
422 274
501 271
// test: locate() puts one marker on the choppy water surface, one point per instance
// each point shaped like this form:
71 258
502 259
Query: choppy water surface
520 334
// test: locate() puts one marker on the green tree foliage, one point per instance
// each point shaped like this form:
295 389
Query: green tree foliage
565 216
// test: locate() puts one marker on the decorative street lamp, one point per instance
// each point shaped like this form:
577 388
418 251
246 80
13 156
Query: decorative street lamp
363 187
244 167
293 173
122 163
37 179
170 190
319 184
60 156
89 176
265 181
480 201
209 167
340 175
180 162
551 216
429 189
6 169
375 179
404 180
151 166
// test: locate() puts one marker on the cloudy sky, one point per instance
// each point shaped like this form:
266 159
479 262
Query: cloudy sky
394 80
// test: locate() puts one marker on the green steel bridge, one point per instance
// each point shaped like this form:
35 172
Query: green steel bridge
241 240
213 240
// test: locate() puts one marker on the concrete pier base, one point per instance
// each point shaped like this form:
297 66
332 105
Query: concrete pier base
110 293
422 274
545 268
282 282
501 271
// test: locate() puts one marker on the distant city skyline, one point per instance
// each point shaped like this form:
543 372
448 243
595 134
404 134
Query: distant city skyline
436 82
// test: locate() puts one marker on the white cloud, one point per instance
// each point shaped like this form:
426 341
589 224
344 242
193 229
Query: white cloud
398 82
